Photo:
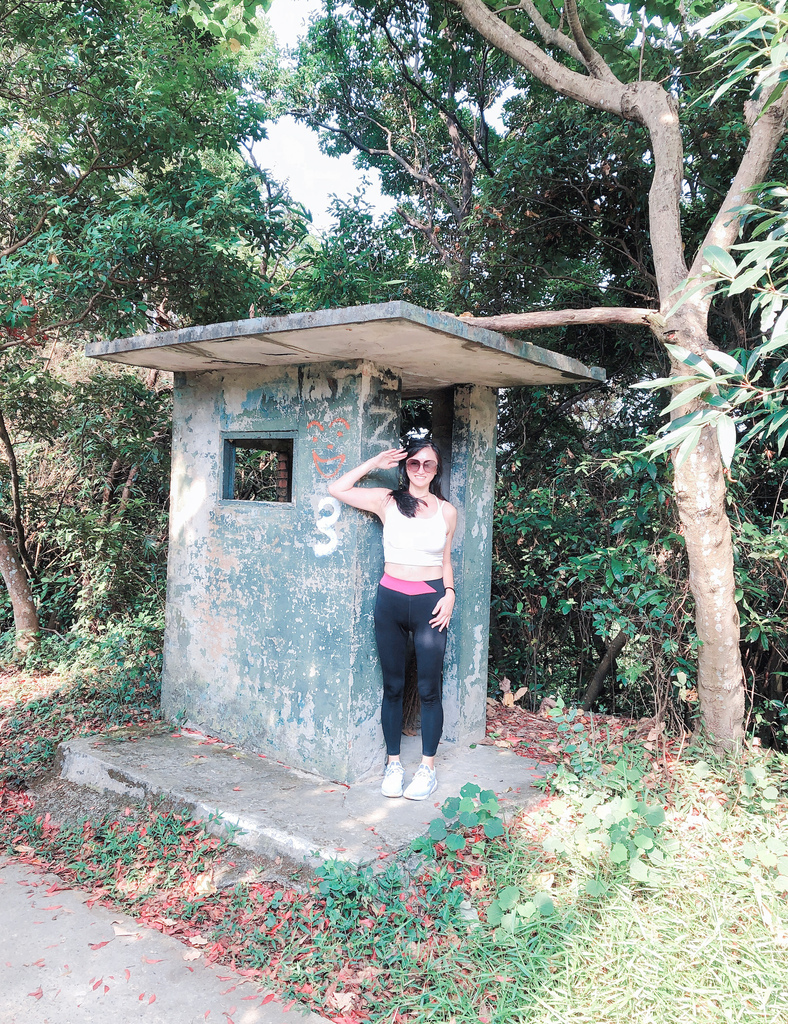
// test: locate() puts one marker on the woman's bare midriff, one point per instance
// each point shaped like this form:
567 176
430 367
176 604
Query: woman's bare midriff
423 573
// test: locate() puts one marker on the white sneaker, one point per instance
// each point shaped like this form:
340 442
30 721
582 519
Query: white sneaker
423 785
393 778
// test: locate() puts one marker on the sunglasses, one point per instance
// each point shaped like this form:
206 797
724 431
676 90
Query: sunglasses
429 466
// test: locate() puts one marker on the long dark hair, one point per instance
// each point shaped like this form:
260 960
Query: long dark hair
406 502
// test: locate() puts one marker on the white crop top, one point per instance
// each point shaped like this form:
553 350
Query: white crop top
417 541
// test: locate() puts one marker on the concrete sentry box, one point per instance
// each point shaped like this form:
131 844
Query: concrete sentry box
271 584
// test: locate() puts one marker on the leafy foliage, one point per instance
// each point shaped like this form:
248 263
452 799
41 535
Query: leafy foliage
76 685
744 387
120 171
585 547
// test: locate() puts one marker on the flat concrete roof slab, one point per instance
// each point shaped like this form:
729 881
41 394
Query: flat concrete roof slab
430 350
284 811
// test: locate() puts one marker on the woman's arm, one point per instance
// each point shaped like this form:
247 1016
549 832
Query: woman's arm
370 499
441 613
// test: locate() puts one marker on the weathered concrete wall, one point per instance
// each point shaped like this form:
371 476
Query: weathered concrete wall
472 493
269 639
270 635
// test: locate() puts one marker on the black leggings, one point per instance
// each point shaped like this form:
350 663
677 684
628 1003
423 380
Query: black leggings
396 615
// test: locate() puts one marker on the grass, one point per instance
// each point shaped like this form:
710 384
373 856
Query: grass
72 686
648 887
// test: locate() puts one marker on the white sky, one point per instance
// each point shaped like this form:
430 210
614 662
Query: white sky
291 150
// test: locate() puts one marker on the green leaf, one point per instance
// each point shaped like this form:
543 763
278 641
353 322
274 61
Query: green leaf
509 896
687 447
455 842
638 870
746 280
469 819
595 887
719 259
619 853
451 807
470 789
686 396
544 904
437 830
726 438
654 816
494 913
493 828
509 922
725 361
642 840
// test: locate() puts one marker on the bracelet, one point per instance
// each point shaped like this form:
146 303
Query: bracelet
450 588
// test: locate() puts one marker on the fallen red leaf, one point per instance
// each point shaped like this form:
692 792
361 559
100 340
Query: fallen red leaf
128 974
97 984
267 999
147 960
37 994
99 945
152 999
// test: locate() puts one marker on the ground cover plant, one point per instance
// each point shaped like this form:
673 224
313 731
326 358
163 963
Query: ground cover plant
74 685
647 885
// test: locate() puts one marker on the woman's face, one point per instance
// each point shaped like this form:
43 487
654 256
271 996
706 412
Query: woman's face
422 466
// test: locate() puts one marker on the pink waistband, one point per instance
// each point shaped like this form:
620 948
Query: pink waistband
409 587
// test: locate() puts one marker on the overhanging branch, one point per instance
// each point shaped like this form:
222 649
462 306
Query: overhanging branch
611 315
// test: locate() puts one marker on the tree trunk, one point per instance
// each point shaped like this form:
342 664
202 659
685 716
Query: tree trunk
595 686
699 482
15 579
699 487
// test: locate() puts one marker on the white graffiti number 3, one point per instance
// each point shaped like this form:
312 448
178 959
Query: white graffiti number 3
325 525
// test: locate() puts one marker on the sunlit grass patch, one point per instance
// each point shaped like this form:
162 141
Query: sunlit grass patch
72 686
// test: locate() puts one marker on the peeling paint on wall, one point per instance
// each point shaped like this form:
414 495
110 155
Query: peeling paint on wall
270 634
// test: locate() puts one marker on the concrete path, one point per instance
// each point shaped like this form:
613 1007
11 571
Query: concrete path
284 811
62 961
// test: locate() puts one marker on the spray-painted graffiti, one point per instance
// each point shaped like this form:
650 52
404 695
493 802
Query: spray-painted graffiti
325 440
325 525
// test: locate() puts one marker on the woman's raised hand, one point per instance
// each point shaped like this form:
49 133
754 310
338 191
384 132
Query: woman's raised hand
389 459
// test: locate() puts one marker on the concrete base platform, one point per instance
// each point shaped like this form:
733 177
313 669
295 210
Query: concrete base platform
285 811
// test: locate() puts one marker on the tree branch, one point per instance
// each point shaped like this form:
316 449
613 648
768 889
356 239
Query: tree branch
510 322
766 130
552 36
617 645
594 92
435 102
592 60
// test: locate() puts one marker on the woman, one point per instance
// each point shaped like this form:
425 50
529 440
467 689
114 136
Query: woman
416 594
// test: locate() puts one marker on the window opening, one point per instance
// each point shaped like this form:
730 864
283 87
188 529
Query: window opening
258 469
